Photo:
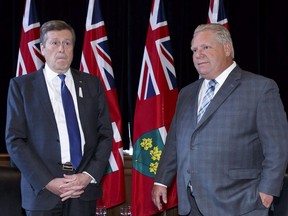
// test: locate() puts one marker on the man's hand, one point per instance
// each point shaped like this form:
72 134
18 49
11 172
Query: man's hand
159 196
54 186
74 185
266 199
71 186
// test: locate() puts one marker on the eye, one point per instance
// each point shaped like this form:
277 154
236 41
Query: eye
193 50
54 43
206 47
67 43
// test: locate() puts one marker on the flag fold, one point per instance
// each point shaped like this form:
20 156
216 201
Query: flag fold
155 107
96 60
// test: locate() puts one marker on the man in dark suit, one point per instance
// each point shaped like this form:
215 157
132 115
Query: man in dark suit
231 160
37 136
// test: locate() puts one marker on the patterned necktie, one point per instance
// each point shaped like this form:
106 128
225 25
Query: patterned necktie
207 98
72 124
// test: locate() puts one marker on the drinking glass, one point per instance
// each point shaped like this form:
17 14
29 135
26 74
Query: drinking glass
125 210
101 211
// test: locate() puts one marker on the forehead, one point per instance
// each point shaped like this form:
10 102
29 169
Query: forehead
206 36
57 34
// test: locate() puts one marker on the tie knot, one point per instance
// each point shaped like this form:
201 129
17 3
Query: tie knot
211 83
62 77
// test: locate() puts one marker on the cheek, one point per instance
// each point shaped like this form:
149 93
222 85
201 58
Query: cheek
70 54
47 52
214 58
194 59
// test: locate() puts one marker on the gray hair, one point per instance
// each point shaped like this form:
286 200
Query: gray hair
222 33
55 25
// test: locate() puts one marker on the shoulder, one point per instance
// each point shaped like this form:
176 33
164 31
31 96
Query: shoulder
27 78
83 75
253 79
86 80
192 87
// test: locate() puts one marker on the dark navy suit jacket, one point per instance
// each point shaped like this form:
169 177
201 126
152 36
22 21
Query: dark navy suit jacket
32 137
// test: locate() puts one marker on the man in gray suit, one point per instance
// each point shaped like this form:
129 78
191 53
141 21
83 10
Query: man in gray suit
37 136
231 160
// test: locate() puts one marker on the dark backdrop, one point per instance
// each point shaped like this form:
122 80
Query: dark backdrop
258 29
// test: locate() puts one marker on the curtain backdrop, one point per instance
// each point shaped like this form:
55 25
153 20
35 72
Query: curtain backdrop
258 30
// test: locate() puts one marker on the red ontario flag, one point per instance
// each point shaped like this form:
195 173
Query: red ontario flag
155 107
30 58
96 60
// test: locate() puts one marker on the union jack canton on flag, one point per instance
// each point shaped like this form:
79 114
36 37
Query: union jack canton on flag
30 58
216 13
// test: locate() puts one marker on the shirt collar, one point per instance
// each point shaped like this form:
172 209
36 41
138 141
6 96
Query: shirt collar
50 74
222 77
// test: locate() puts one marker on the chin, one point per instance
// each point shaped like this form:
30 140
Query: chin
204 75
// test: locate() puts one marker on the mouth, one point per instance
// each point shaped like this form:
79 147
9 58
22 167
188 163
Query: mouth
61 59
201 63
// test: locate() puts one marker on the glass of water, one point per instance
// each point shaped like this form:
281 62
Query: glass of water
101 211
125 210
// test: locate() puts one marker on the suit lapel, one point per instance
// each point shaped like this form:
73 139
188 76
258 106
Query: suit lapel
81 94
226 89
191 105
195 95
80 91
38 85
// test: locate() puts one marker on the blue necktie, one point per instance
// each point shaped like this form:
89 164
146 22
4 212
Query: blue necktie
207 98
72 124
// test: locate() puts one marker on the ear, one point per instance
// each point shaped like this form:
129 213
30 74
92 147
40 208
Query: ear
227 49
42 48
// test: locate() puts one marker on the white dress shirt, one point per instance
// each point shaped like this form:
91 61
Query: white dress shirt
54 89
220 80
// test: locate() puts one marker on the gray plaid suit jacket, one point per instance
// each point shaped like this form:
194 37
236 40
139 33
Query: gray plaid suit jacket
239 147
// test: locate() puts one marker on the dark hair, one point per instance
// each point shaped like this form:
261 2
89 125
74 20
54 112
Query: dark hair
55 25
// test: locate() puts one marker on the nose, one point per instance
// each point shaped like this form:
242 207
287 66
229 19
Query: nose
61 47
198 53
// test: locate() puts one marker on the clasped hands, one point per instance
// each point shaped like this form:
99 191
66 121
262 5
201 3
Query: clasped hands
70 186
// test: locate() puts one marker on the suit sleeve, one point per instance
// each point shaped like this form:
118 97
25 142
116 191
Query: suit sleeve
273 133
168 162
99 135
18 142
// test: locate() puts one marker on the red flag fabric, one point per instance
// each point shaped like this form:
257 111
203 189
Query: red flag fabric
155 107
96 60
216 13
30 58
